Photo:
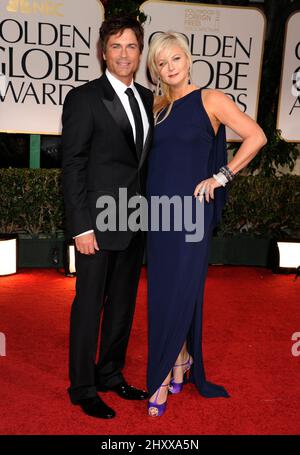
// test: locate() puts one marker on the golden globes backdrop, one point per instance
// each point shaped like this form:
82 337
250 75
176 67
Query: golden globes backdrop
226 45
288 119
46 48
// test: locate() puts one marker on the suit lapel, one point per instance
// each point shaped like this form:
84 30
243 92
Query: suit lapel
115 108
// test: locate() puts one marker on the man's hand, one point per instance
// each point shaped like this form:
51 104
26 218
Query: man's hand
87 243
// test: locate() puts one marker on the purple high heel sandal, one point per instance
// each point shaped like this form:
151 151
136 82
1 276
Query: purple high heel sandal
176 387
158 409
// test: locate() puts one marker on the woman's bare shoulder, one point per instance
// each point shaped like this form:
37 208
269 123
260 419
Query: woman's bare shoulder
212 94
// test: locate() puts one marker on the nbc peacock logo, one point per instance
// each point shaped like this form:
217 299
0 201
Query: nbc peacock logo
42 7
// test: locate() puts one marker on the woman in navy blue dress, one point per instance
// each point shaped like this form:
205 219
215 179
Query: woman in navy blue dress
188 160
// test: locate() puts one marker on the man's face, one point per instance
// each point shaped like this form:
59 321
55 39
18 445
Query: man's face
122 55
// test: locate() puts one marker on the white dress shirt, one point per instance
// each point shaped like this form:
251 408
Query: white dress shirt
119 87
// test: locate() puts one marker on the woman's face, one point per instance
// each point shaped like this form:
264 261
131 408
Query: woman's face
173 66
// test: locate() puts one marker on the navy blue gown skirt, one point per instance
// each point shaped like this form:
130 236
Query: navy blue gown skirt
185 151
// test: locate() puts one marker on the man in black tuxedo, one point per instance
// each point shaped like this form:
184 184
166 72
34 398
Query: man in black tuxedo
107 131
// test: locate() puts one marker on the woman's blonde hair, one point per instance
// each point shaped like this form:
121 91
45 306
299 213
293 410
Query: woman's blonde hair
160 42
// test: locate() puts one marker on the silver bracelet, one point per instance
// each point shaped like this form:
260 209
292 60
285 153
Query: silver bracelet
227 172
220 178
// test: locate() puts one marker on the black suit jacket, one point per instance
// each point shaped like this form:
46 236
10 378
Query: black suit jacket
99 156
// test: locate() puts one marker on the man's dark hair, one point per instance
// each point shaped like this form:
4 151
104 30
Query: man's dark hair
117 24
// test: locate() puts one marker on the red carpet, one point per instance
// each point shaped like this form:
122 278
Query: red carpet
250 316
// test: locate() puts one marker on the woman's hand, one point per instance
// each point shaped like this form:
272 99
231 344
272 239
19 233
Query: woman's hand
206 187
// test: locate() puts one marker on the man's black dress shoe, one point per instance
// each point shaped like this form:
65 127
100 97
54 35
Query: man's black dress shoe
95 407
126 391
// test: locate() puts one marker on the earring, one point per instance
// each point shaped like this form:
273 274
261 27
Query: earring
189 77
158 88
